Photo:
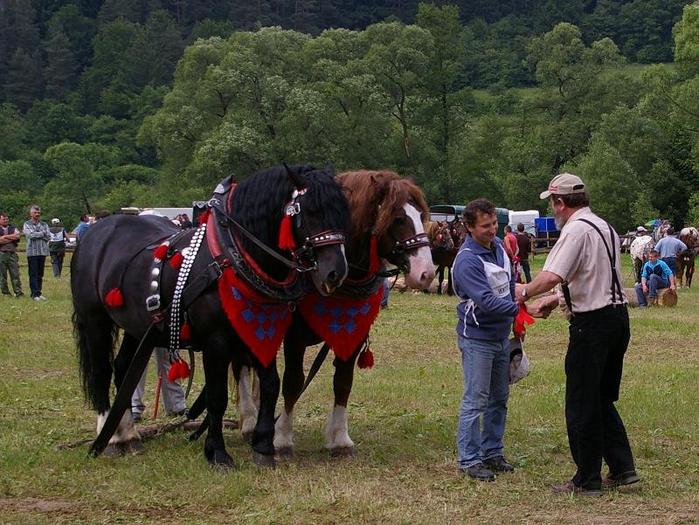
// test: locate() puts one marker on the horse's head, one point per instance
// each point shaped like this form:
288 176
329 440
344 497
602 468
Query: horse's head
394 211
439 235
319 219
458 231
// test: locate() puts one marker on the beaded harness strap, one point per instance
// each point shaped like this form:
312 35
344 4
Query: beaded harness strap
189 254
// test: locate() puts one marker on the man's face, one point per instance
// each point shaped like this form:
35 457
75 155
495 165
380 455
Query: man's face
652 257
35 214
4 221
558 208
483 232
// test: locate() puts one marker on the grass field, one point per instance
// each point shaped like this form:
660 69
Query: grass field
402 418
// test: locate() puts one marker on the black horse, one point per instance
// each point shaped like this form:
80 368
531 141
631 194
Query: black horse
388 213
114 277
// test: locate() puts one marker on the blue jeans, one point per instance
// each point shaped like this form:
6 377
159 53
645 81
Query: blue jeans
654 283
671 262
486 367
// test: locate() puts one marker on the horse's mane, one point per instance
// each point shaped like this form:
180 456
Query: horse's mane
375 197
259 200
432 229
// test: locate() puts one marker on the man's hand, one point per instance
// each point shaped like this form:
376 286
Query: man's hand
645 288
544 306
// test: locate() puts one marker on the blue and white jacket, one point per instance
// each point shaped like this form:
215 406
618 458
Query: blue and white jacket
484 282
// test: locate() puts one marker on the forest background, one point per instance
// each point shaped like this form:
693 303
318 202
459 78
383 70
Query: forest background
111 103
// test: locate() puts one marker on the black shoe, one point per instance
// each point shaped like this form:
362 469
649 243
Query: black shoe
613 481
571 488
498 464
480 472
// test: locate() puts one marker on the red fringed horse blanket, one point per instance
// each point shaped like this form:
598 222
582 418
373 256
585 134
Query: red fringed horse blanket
260 324
342 323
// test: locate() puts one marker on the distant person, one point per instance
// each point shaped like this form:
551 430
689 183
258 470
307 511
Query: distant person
82 227
9 263
524 244
173 395
639 249
669 247
38 235
185 223
656 275
57 246
510 242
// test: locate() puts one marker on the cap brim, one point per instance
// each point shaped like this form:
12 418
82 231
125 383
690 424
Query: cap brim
544 194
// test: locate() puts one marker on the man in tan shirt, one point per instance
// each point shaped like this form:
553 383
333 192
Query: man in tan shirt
585 261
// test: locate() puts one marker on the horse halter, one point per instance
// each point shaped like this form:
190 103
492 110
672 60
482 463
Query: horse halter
305 255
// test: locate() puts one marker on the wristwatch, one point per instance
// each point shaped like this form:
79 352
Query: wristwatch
524 292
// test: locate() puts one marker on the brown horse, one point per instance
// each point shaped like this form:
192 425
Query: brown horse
443 257
685 260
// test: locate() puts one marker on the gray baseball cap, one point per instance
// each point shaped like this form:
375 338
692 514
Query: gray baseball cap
564 184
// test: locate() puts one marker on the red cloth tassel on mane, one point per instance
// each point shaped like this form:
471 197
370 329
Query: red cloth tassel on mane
185 332
203 218
160 252
374 261
114 298
178 370
286 234
366 358
176 260
522 319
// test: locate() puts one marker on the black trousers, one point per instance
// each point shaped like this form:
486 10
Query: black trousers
35 265
594 365
524 263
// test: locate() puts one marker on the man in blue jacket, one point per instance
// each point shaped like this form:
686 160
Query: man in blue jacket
484 281
655 275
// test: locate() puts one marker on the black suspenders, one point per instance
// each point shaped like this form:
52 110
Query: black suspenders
611 254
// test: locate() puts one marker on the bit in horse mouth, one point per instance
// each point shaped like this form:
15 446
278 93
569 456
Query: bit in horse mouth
328 289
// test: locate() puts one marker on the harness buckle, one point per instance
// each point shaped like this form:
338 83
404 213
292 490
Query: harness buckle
153 302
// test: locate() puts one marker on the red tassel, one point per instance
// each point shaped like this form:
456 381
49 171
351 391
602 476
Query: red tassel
114 298
185 332
522 319
286 234
203 218
160 252
176 260
366 358
178 370
374 261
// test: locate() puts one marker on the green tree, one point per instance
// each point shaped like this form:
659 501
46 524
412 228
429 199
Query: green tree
23 82
13 133
60 70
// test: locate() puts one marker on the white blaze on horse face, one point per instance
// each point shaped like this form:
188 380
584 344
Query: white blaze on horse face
421 266
284 431
336 434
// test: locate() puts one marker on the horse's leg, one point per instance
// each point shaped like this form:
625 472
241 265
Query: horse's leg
247 387
263 435
216 360
440 279
291 390
126 438
337 438
690 272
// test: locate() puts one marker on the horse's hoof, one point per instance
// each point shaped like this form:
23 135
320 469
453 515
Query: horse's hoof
220 459
263 460
113 450
285 452
247 436
133 447
343 452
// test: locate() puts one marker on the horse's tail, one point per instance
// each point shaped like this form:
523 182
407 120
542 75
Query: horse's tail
95 334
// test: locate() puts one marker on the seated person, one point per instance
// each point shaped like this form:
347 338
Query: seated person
655 275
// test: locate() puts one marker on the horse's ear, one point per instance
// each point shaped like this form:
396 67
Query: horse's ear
297 179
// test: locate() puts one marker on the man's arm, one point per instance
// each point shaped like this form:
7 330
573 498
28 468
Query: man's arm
543 282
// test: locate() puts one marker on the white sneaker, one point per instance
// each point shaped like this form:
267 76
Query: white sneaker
37 298
42 298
